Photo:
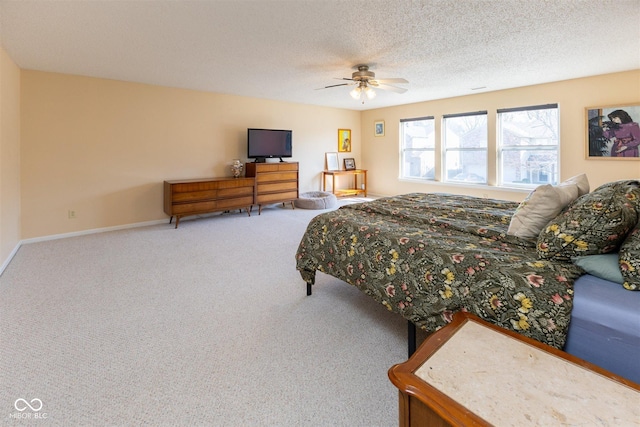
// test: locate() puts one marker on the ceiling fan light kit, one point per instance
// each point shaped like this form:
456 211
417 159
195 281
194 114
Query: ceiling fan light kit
365 81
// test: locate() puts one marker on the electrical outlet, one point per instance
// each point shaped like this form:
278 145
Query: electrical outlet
72 214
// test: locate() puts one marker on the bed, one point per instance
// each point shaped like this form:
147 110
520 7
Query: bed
427 256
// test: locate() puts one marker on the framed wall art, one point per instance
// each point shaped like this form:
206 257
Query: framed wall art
378 128
349 164
344 140
332 161
613 132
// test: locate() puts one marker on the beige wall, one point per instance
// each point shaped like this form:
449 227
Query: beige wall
381 154
103 148
9 157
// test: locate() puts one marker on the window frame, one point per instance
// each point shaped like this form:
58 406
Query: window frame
501 148
404 150
445 150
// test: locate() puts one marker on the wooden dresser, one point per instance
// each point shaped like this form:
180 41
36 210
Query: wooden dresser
473 373
275 182
199 196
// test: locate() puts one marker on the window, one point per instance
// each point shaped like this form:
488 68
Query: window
417 143
528 145
465 147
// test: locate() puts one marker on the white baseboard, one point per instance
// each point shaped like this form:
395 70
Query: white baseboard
74 234
8 260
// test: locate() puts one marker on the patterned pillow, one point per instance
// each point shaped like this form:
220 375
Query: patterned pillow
596 223
629 260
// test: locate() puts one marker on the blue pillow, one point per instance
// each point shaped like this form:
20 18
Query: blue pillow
603 266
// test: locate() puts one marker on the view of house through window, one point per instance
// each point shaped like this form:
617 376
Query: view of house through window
465 147
418 143
528 145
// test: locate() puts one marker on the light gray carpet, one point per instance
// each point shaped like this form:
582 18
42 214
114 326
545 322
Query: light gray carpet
208 324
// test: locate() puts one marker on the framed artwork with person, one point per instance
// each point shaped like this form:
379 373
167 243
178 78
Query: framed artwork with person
613 132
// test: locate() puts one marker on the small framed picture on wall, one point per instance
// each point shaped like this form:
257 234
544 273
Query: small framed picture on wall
613 133
344 140
379 128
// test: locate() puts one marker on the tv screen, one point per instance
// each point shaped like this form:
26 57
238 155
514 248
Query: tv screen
262 143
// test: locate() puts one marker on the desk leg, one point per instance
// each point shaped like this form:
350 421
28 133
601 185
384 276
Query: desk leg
365 183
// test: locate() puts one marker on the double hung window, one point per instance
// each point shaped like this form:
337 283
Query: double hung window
417 145
528 145
465 147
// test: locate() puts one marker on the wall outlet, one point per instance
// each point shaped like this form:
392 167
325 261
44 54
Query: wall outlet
72 214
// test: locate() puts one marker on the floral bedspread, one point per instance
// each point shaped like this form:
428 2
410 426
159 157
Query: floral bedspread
427 256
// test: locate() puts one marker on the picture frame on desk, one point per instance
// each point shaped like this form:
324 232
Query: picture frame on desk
349 164
332 161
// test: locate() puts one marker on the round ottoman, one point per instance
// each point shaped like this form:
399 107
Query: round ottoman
316 200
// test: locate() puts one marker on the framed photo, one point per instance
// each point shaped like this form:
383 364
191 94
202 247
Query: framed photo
344 140
349 164
332 161
613 132
378 128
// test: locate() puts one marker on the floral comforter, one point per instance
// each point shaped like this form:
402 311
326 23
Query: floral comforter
427 256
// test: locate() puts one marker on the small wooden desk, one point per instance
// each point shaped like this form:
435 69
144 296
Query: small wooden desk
473 373
357 189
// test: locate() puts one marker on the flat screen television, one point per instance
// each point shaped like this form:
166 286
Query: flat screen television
268 143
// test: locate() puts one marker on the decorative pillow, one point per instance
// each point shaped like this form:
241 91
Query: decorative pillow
581 181
596 223
604 266
630 260
541 206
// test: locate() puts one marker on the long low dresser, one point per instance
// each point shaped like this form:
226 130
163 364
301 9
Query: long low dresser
199 196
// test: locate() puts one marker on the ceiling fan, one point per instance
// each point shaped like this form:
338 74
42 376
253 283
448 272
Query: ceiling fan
365 80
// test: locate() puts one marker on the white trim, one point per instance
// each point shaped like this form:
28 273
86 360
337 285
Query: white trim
94 231
469 185
74 234
9 258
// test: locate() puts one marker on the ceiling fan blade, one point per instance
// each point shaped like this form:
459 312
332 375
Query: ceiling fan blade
391 88
396 80
343 78
327 87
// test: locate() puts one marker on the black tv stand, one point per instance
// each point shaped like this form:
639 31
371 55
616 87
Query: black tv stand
260 160
281 161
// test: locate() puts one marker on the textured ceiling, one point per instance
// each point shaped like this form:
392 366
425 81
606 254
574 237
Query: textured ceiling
285 50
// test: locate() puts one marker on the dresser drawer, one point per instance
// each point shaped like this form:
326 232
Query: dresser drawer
192 196
277 176
194 186
287 166
236 183
277 186
276 197
238 202
188 208
235 192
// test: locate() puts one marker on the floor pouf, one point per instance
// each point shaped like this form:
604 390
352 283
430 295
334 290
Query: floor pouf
316 200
